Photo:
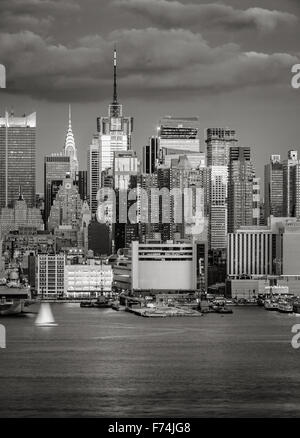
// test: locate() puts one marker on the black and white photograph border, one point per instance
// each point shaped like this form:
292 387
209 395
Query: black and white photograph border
149 212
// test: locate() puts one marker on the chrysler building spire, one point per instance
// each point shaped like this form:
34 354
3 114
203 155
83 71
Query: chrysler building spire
70 147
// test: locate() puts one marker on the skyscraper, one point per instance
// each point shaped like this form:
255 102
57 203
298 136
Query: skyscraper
217 206
56 166
178 135
151 155
17 159
93 174
291 185
240 188
256 201
274 187
70 147
114 130
81 182
66 210
125 165
218 143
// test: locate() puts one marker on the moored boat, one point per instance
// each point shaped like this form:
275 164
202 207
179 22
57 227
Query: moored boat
285 307
271 305
87 304
296 307
224 310
102 302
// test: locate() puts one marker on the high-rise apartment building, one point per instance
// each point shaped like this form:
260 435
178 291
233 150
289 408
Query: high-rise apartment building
17 159
240 188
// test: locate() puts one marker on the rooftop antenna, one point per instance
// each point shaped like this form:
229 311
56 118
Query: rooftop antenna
115 97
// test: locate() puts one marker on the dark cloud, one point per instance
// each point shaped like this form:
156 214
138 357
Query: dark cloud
35 15
151 61
176 14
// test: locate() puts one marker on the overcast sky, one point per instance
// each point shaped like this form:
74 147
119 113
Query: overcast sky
229 63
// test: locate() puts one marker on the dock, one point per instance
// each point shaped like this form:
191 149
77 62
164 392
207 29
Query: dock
162 312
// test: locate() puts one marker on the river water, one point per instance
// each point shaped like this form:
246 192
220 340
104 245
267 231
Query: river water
103 363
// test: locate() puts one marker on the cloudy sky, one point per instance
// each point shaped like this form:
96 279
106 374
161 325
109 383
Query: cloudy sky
227 62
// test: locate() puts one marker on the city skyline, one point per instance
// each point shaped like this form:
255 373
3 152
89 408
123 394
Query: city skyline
255 98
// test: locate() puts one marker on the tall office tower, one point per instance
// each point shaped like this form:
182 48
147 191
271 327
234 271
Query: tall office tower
274 187
217 206
66 210
291 184
151 155
218 143
178 135
125 165
17 159
256 201
115 130
93 174
56 166
81 182
193 186
240 188
148 206
70 147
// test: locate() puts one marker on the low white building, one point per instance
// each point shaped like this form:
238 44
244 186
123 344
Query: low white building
88 281
171 267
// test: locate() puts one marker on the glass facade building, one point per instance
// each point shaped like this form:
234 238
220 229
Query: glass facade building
17 159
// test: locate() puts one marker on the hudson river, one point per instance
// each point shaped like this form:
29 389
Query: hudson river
103 363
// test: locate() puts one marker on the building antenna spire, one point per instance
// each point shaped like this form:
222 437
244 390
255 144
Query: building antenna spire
115 98
70 116
20 193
